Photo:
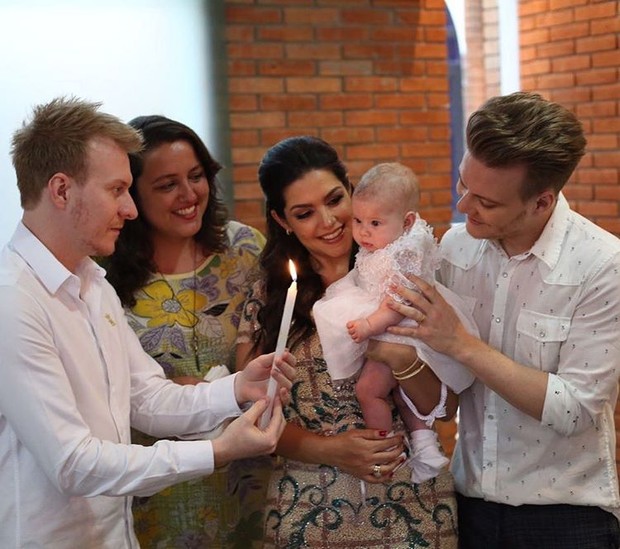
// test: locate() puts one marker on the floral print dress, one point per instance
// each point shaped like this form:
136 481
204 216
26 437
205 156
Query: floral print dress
225 509
319 506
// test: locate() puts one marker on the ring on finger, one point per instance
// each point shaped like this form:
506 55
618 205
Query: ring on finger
422 318
376 471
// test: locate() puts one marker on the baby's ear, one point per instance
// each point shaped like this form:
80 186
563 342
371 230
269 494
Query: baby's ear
410 218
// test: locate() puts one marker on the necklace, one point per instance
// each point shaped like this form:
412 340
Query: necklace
174 305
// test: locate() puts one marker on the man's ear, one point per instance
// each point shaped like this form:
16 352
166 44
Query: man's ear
58 188
545 201
410 218
280 221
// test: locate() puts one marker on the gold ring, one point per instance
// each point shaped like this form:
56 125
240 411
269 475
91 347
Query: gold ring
422 319
376 471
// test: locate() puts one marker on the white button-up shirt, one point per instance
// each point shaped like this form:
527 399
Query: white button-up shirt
73 377
555 308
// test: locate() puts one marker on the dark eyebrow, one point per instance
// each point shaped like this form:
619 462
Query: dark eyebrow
169 175
164 176
327 197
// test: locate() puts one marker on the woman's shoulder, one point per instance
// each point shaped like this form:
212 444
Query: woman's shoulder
244 238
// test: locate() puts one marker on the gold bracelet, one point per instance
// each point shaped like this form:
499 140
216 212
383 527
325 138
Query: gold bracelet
409 376
410 371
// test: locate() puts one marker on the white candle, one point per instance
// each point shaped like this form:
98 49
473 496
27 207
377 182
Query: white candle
285 326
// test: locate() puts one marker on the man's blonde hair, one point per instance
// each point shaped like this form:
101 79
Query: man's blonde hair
56 139
393 182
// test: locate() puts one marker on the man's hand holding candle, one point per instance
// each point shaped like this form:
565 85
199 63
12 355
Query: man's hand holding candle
243 438
252 382
285 326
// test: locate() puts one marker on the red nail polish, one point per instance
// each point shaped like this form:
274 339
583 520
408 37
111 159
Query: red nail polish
382 433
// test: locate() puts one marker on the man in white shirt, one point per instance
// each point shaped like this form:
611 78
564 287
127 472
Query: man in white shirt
535 462
73 374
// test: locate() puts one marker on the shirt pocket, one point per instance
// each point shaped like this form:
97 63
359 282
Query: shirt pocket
539 339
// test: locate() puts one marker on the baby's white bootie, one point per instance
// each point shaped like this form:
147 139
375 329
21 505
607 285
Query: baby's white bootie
426 459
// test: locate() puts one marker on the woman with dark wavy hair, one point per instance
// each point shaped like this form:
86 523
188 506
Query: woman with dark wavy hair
315 497
182 271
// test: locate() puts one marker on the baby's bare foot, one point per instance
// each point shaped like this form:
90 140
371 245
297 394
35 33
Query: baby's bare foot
359 329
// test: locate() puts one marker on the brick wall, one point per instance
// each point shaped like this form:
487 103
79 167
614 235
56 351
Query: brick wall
368 76
481 65
570 53
474 70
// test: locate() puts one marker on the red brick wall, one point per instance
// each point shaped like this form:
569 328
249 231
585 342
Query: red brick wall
570 53
481 65
474 73
369 76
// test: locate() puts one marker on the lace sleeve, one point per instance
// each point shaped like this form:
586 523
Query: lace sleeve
416 253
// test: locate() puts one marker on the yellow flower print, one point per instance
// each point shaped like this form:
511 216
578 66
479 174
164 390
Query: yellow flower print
163 306
207 514
228 267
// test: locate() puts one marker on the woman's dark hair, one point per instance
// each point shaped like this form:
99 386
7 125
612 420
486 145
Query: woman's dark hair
282 165
131 264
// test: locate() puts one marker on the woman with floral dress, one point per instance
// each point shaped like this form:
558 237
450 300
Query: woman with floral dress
182 271
336 483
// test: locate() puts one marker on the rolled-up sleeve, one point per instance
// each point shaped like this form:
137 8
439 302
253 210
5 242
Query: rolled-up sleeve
587 378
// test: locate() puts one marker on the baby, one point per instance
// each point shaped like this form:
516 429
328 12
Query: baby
393 241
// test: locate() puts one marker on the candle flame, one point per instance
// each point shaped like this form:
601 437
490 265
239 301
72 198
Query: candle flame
291 268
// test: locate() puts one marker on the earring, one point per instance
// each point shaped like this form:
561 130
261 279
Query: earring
288 232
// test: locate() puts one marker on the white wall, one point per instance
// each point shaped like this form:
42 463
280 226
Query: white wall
457 11
508 15
135 56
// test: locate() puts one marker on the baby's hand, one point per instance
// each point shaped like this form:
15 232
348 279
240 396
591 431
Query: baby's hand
359 329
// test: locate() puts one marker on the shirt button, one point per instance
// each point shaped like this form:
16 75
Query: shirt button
490 416
542 333
504 275
498 320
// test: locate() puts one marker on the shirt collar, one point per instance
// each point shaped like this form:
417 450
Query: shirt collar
547 248
549 244
51 272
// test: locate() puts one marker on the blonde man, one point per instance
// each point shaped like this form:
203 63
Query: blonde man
74 376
